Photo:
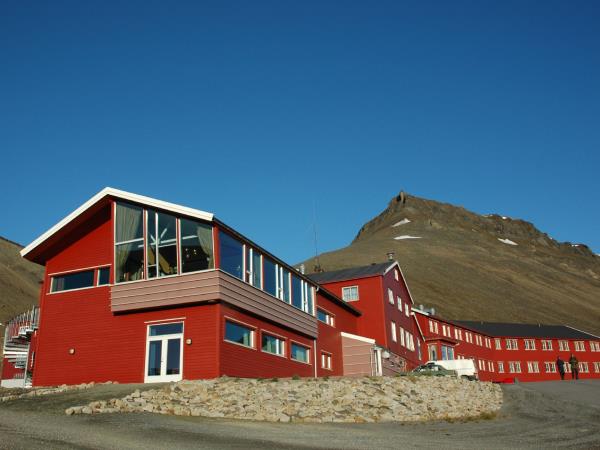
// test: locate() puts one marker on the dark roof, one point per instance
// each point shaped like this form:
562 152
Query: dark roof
525 330
350 274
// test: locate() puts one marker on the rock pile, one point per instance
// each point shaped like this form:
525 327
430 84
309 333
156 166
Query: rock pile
376 399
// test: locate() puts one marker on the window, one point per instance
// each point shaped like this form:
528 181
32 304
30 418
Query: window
350 293
253 267
406 309
447 352
396 274
488 342
325 361
402 337
167 328
500 367
239 334
514 367
563 346
269 277
431 326
550 367
231 254
283 284
325 317
300 353
393 328
511 344
412 344
529 344
595 346
272 344
579 346
103 276
546 345
432 350
533 367
161 237
469 337
490 366
399 302
196 246
302 294
70 281
583 367
498 344
390 296
458 334
597 367
129 243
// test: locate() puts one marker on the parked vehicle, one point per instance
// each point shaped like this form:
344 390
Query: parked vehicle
463 367
434 370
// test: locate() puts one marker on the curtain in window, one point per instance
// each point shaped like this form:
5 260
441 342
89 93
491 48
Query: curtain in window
204 233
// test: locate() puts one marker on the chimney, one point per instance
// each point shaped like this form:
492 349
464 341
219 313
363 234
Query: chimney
432 311
390 256
302 269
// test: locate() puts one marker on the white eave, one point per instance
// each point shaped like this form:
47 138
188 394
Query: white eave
123 195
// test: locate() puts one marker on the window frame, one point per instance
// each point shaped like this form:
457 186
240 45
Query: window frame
282 339
393 330
345 289
326 356
299 344
252 329
93 269
329 317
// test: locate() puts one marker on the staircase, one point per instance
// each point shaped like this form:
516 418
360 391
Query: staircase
16 348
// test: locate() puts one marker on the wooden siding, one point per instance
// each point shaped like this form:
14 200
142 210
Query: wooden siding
213 285
358 357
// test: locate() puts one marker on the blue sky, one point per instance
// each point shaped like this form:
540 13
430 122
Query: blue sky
262 111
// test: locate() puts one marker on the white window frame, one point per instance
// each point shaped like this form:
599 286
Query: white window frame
500 366
350 289
280 343
252 328
390 296
326 362
329 318
393 328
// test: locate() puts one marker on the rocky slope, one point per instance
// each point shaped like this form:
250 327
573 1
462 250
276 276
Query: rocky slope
475 267
19 282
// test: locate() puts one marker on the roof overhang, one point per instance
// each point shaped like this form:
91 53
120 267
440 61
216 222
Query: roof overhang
101 197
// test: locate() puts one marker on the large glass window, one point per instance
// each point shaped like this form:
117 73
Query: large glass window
272 344
78 280
297 292
129 240
310 292
253 267
161 235
196 246
300 353
231 253
283 284
239 334
269 277
350 293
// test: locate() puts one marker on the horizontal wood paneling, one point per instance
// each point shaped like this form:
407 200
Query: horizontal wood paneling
213 285
357 357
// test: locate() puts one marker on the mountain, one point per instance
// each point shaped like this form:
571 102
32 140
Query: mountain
19 282
474 267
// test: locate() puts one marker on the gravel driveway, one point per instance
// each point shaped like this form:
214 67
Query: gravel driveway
534 415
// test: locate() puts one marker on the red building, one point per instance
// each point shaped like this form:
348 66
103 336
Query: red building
381 294
505 351
140 290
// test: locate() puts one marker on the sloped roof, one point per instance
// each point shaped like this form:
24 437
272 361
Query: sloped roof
123 195
525 330
352 273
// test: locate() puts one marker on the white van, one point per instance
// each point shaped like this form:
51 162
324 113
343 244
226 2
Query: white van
463 367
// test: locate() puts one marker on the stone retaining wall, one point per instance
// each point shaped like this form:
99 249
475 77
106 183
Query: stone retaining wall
369 399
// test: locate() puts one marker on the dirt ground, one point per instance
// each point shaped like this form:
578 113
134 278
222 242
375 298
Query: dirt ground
535 415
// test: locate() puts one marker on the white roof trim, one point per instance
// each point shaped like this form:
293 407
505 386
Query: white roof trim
358 338
108 191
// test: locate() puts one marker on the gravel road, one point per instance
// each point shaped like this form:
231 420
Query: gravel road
534 415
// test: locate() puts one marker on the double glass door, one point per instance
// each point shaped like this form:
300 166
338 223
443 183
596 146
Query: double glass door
164 352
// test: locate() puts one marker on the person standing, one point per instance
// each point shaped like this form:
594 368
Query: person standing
574 367
561 367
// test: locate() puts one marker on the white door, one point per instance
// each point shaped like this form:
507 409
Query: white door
164 352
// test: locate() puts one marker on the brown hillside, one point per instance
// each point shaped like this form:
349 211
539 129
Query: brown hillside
459 266
19 282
